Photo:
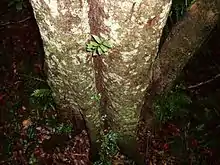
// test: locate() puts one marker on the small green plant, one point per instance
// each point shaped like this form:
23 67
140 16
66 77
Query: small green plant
96 97
171 105
33 160
108 149
19 4
64 128
43 98
98 46
179 7
31 132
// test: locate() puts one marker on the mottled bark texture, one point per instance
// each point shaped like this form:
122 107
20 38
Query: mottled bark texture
120 76
185 38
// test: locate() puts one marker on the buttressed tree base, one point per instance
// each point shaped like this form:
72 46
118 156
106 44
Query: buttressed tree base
98 57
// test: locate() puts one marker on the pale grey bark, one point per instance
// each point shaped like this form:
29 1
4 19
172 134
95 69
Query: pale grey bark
121 75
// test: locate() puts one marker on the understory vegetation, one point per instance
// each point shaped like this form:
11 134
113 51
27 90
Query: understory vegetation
32 131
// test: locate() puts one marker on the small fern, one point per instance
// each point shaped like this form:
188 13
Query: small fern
40 93
43 98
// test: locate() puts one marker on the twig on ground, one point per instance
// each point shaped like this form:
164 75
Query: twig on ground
21 21
204 82
34 78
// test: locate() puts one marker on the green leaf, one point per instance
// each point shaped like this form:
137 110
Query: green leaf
104 48
94 53
89 49
13 2
97 39
107 44
200 127
90 46
99 51
41 93
94 44
19 6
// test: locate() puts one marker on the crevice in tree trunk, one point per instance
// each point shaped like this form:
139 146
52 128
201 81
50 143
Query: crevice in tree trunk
96 16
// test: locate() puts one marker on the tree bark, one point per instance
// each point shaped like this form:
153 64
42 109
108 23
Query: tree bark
182 43
120 76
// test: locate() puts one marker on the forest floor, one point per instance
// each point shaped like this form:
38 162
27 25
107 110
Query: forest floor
25 126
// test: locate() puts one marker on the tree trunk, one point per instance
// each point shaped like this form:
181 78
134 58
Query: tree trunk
120 76
185 38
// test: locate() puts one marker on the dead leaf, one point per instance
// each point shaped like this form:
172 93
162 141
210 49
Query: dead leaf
26 123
